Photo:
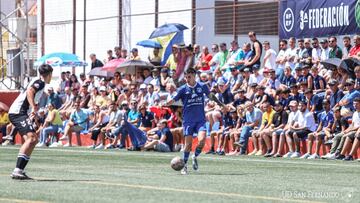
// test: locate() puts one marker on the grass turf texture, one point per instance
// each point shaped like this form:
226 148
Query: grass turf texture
82 175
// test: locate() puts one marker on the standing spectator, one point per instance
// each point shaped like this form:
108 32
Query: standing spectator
335 50
135 54
95 62
354 51
117 52
281 59
316 51
155 58
304 125
291 52
347 46
190 60
124 54
324 49
62 84
257 49
197 53
171 62
270 57
109 56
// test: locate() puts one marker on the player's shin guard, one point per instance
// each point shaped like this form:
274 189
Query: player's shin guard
186 156
198 151
22 160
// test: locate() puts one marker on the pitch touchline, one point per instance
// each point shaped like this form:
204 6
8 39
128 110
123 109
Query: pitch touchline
202 157
149 187
19 200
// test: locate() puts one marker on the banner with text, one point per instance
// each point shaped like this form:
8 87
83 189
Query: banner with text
318 18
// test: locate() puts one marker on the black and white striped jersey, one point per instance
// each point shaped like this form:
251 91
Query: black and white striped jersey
21 104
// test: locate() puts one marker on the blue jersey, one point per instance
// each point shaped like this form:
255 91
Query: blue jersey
193 102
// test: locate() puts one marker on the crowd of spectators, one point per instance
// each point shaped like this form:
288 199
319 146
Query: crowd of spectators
279 100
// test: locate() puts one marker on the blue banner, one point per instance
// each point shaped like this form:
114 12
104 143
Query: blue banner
318 18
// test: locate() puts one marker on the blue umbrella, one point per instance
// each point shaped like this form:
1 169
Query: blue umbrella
60 59
149 44
167 29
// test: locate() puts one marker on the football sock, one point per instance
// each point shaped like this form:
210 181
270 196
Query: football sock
197 151
22 160
186 156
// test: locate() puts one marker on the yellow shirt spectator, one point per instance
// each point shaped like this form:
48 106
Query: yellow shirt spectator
4 118
267 117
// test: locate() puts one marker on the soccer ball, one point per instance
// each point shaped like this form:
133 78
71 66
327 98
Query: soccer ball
177 163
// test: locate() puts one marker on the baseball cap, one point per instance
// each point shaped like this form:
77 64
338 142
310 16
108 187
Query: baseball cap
124 103
102 88
142 86
333 82
350 81
134 50
323 41
308 91
293 103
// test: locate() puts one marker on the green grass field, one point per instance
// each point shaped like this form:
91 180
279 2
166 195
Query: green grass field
82 175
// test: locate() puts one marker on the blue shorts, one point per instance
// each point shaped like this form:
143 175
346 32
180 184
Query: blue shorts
192 128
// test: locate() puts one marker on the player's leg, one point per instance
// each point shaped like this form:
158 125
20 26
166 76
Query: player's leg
201 131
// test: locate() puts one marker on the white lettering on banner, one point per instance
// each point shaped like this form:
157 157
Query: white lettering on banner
335 16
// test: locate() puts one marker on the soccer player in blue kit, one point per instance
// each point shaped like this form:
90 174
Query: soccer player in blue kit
192 94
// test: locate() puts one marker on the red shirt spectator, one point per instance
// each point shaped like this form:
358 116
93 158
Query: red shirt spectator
356 48
205 60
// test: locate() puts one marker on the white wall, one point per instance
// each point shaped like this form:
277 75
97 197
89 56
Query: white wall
205 30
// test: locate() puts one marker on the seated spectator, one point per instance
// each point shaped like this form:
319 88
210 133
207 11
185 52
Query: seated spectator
85 95
335 93
266 122
100 120
53 98
319 82
146 119
253 117
52 124
106 131
77 123
162 140
287 79
348 136
103 100
304 124
340 124
151 95
4 121
326 120
346 103
275 130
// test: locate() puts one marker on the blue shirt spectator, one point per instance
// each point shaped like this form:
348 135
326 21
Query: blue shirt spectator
79 117
326 117
253 116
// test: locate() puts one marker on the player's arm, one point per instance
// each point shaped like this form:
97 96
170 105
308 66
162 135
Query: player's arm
30 95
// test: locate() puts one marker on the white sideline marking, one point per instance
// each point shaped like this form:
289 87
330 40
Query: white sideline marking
280 160
19 200
149 187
